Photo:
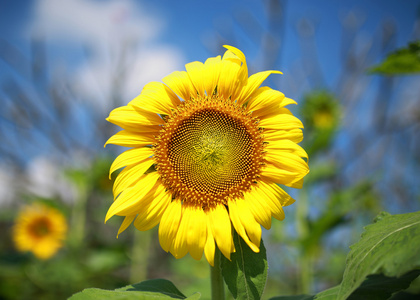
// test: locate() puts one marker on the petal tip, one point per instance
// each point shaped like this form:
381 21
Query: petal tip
108 216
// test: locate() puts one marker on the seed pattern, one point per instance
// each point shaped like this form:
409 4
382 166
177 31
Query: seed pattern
208 151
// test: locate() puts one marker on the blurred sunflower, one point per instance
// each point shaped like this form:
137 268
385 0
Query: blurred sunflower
39 229
320 111
209 147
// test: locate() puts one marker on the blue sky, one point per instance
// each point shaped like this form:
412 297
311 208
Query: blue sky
184 25
86 38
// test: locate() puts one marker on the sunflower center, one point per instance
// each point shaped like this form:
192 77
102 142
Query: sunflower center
208 151
40 228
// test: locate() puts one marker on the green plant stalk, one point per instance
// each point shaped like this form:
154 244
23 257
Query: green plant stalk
305 259
139 256
307 273
217 284
78 218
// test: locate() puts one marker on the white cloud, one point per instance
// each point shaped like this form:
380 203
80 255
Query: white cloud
152 64
45 179
97 80
95 21
122 37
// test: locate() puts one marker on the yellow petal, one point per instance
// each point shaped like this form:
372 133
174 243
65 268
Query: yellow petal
286 146
243 75
281 122
127 221
210 247
286 101
179 246
295 135
259 209
130 199
131 117
150 215
265 97
253 229
277 175
130 175
298 184
232 57
130 139
273 200
254 82
266 102
180 83
211 74
282 196
196 73
270 112
228 80
130 157
196 231
236 218
169 224
221 228
156 98
287 161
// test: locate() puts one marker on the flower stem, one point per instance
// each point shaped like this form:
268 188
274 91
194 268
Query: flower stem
217 285
139 256
305 259
78 218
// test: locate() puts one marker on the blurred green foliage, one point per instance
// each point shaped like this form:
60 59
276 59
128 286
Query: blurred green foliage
402 61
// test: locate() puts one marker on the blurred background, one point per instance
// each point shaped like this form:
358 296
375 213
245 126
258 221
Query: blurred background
64 65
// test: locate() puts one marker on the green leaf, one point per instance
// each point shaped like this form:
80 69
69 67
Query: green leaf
375 287
382 263
93 294
246 273
390 246
194 296
330 294
379 287
155 285
402 61
156 289
294 297
404 296
381 215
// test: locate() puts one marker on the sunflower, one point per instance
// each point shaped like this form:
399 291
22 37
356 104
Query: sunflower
209 148
39 229
320 111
